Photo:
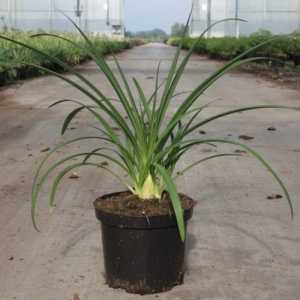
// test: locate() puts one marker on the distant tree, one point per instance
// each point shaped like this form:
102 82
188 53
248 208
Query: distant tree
129 34
262 33
155 35
296 33
177 29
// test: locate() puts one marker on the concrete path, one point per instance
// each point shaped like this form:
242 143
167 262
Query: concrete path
241 245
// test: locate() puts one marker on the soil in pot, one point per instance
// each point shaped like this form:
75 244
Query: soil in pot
143 252
127 204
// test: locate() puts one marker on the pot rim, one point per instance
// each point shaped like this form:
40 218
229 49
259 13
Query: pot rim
146 222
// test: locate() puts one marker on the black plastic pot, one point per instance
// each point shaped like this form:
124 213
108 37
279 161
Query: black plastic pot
2 78
143 255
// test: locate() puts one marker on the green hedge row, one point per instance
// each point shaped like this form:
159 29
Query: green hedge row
11 55
284 48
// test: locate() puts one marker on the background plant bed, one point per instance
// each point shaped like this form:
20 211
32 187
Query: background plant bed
11 54
143 252
284 54
285 48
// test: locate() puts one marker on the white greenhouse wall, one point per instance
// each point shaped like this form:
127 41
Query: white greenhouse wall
97 16
278 16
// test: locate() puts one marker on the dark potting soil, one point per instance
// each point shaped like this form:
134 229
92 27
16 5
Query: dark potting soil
127 204
141 288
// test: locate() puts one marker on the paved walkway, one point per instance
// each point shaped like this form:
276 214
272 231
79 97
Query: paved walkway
241 245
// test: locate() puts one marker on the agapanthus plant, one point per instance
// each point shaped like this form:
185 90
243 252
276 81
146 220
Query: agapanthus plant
148 145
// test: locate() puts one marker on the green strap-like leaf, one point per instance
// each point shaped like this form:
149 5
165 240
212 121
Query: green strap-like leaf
143 99
100 61
239 110
69 118
56 60
189 144
185 106
61 175
68 169
177 74
107 71
109 132
45 176
171 188
55 149
182 172
125 81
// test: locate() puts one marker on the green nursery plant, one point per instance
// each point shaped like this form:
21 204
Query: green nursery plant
148 144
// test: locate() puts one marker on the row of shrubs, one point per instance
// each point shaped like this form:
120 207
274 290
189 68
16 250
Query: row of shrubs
12 55
283 48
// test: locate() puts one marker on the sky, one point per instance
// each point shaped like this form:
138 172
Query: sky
150 14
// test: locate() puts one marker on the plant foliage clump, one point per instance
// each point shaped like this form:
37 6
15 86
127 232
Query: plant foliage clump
148 143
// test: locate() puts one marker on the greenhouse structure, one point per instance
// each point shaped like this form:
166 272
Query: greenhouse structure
97 16
277 16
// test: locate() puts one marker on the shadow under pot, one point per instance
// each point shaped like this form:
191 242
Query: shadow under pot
142 254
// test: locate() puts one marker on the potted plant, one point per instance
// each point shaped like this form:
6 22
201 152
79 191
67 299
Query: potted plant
144 227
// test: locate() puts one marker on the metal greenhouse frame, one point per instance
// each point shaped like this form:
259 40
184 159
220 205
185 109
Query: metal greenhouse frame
100 16
276 16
